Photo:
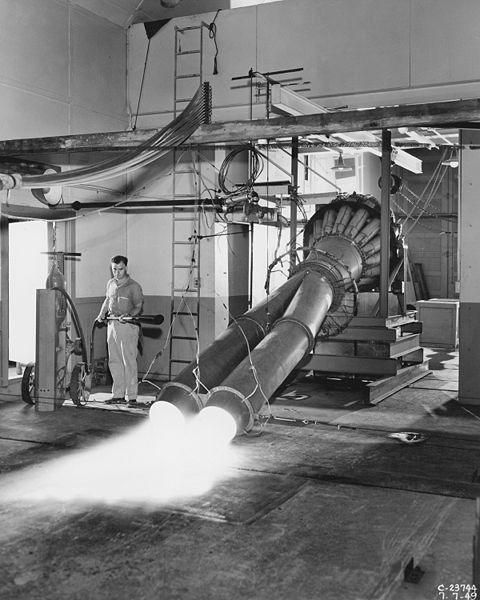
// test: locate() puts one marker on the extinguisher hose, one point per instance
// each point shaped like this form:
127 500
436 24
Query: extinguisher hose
76 321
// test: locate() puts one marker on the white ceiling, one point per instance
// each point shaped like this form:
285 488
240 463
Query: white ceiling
128 12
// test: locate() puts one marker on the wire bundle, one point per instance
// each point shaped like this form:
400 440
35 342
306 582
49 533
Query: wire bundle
256 167
175 133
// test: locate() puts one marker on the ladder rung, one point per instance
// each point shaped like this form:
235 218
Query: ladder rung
188 28
187 76
179 100
185 171
188 52
183 243
183 337
180 361
186 314
184 291
194 266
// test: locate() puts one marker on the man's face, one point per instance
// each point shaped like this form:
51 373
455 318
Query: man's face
119 271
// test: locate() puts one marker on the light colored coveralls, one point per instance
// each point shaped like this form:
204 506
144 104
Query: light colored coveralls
122 338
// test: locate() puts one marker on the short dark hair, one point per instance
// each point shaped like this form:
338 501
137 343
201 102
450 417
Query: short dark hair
118 258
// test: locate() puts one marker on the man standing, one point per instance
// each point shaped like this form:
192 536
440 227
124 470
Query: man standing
124 300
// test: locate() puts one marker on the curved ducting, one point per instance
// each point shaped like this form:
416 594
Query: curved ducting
342 255
227 351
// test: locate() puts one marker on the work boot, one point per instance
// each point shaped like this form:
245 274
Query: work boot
115 401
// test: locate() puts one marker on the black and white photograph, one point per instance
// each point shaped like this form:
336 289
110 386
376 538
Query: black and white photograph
239 300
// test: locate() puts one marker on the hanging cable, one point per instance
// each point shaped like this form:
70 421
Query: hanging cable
256 169
141 84
212 34
175 133
435 180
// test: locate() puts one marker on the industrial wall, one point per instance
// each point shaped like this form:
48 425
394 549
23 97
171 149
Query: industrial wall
63 72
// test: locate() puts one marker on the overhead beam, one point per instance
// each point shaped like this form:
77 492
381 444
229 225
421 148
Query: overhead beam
292 103
389 117
408 115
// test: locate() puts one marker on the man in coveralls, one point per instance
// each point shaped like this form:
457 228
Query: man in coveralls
124 300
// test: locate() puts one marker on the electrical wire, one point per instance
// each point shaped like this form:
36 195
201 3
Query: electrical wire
439 177
175 133
432 178
256 168
141 84
212 34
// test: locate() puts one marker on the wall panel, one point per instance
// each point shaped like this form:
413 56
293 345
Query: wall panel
343 46
445 41
34 44
98 238
98 64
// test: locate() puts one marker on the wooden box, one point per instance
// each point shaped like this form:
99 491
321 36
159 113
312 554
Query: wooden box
439 317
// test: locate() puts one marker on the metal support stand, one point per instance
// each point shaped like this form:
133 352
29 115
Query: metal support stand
385 222
293 204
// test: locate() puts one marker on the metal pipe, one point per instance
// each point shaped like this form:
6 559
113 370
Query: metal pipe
293 204
373 271
328 221
358 221
224 354
256 378
372 247
385 221
367 233
343 218
343 250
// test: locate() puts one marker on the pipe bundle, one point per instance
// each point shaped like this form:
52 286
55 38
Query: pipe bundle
175 133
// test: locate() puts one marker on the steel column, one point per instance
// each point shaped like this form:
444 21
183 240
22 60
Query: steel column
385 222
293 204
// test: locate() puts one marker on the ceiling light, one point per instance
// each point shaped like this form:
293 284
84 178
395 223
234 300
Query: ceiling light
340 166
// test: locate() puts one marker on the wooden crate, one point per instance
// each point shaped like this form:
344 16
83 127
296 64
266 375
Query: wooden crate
439 319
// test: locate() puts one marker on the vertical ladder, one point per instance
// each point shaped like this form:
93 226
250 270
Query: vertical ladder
185 295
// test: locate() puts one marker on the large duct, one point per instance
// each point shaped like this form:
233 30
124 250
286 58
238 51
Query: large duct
226 352
342 255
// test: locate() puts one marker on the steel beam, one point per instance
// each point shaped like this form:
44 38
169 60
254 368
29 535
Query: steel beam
386 117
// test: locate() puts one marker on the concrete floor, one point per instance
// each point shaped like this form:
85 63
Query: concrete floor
317 503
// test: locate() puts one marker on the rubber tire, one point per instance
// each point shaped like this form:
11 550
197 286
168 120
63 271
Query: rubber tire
77 386
27 387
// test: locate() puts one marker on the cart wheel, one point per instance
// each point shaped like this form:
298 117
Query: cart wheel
79 393
28 383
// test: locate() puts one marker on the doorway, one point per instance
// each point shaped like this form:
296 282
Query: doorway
28 269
